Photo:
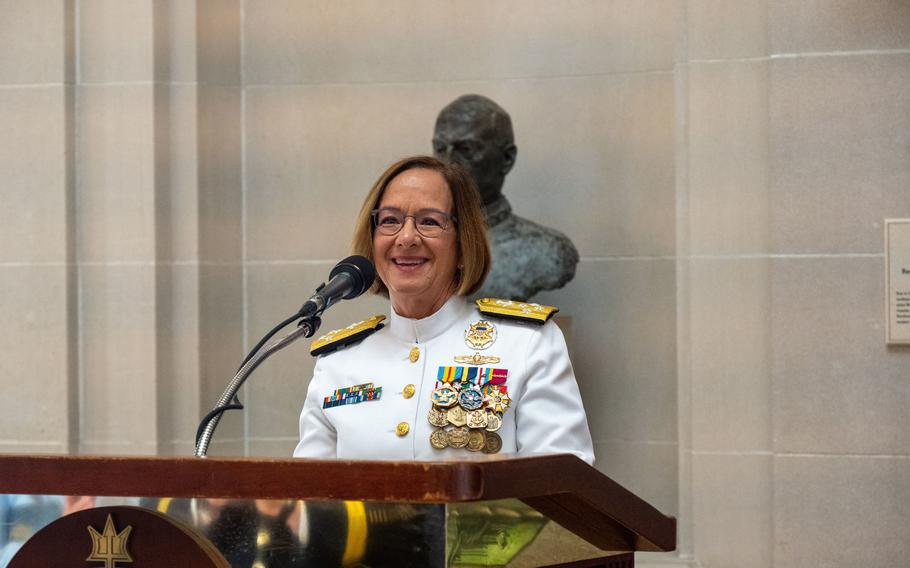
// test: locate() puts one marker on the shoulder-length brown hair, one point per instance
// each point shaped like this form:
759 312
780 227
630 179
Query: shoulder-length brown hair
470 226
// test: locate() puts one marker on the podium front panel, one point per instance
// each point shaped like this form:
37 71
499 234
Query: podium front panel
261 533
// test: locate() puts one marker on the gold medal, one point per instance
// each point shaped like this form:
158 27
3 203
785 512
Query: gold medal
476 359
458 437
498 400
494 422
477 419
493 443
437 417
438 439
445 396
476 441
414 355
480 335
457 416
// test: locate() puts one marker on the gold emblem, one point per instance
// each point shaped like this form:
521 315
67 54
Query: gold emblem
497 400
414 355
445 396
409 391
480 335
493 443
457 416
110 546
458 437
476 441
476 359
403 428
477 419
438 439
494 422
438 417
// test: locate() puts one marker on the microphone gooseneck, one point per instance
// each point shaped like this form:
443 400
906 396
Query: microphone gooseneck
348 279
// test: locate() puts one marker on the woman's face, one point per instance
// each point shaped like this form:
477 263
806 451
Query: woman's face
419 271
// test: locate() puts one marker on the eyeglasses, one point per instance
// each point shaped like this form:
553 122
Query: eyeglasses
428 222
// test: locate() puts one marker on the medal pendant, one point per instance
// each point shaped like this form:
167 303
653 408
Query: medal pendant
494 422
445 396
493 443
438 439
437 417
477 419
457 416
458 437
498 400
470 398
476 441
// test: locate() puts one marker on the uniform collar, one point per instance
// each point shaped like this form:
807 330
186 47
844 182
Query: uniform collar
430 327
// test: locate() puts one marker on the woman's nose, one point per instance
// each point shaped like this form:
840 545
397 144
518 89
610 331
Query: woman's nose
408 233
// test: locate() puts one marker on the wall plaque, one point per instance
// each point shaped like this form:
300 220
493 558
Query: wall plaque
897 281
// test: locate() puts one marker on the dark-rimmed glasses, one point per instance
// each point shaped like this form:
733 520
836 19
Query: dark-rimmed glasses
428 222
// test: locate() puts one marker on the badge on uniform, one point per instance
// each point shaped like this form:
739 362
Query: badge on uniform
480 335
352 395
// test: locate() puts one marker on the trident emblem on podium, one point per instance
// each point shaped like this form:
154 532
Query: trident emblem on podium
109 547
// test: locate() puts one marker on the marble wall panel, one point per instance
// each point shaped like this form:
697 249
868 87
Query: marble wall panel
798 26
623 328
33 159
730 354
177 356
733 510
218 37
175 37
220 179
115 173
725 29
116 41
837 388
841 511
36 372
606 158
404 41
840 140
37 42
728 157
118 371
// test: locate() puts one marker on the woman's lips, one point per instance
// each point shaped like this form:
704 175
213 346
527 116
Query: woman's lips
409 264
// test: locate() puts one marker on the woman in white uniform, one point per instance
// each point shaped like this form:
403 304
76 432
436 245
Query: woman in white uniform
440 378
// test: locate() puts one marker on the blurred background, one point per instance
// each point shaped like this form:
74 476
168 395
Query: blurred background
179 175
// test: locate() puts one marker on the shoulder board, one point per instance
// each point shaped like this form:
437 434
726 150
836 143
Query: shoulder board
346 335
510 309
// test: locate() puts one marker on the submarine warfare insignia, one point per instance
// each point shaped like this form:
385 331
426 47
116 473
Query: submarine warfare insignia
480 335
468 404
477 359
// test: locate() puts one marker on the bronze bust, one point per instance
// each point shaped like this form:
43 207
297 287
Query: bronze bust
527 257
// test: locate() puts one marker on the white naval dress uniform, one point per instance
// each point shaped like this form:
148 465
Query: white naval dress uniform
545 416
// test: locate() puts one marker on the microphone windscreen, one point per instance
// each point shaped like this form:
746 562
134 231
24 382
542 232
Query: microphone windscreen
361 272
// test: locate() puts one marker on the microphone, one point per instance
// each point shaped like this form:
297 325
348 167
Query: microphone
350 278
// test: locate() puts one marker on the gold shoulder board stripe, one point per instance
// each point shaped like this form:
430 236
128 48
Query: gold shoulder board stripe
510 309
346 335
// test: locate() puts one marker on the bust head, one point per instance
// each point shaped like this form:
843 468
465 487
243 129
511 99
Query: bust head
476 132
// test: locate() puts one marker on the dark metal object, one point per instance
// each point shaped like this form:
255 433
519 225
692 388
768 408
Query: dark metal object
477 133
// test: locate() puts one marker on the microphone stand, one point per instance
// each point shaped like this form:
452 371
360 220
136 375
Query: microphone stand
306 328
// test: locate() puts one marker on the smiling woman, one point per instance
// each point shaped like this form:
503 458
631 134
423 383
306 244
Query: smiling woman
445 380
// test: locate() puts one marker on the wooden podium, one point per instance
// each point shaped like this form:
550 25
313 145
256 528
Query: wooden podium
537 511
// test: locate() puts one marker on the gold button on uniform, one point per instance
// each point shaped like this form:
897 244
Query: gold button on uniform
414 355
402 429
409 391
